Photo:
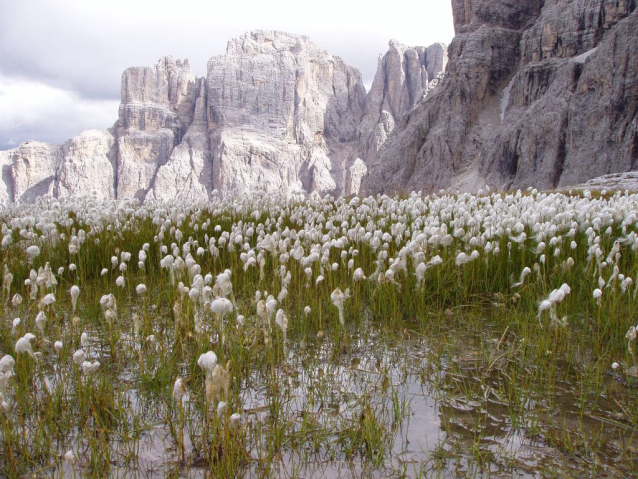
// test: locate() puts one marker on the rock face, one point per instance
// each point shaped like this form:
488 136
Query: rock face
537 93
540 93
404 77
627 181
156 110
83 166
275 113
188 172
87 166
283 115
28 171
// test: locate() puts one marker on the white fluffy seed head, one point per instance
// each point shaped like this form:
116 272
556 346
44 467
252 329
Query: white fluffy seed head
221 306
78 357
179 390
207 361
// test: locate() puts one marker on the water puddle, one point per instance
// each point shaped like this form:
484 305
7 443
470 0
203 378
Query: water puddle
373 406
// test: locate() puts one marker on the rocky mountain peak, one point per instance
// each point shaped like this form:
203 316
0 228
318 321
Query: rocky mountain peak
538 93
404 77
470 15
275 112
267 42
157 97
283 113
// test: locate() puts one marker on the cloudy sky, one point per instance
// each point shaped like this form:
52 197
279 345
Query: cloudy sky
61 61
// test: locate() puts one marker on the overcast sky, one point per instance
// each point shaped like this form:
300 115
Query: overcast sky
61 61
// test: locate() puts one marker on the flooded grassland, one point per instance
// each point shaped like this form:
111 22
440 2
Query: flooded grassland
443 336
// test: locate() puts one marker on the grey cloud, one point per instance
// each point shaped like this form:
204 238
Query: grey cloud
34 111
68 46
39 40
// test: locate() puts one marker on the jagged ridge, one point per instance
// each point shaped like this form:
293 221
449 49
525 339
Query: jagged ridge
275 112
538 93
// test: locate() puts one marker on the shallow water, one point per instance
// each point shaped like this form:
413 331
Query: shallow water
440 412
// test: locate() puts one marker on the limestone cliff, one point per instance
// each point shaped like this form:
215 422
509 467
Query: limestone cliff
540 93
404 77
537 93
283 115
156 111
275 112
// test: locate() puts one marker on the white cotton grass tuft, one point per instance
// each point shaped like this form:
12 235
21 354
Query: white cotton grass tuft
283 294
23 345
421 268
217 377
220 307
71 458
544 305
75 293
40 321
79 356
223 284
89 367
601 282
235 420
282 321
207 362
338 298
7 363
140 289
16 300
597 295
179 390
463 258
358 275
47 300
32 251
526 271
550 304
419 272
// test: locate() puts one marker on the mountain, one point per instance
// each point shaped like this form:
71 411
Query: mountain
275 113
536 93
540 93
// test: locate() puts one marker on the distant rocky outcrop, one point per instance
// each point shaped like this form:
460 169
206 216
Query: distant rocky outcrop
404 77
536 93
541 93
275 113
